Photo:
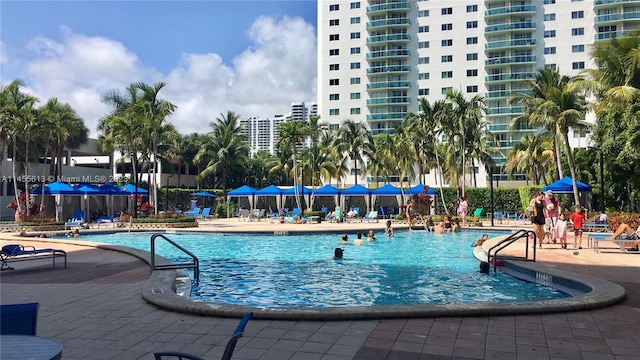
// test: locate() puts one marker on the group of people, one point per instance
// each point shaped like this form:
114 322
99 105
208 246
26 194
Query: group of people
549 220
371 237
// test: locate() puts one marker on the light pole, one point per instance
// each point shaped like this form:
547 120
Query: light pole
601 155
166 198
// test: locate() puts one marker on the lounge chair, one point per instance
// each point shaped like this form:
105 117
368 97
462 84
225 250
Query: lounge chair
355 217
595 239
228 351
17 252
371 216
19 319
206 212
106 220
245 215
384 212
296 215
77 220
499 216
479 212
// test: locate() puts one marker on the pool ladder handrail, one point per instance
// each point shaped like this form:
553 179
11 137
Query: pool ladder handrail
502 244
195 265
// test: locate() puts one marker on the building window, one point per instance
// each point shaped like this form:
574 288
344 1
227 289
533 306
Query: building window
547 2
423 92
334 111
423 13
334 82
423 45
577 65
447 58
472 8
355 65
550 17
423 76
334 7
355 5
447 74
423 60
549 33
446 27
334 97
472 56
334 22
355 81
355 111
355 96
472 24
577 14
472 40
355 35
472 88
334 52
334 37
577 31
355 20
550 50
472 72
447 42
445 90
577 48
423 29
355 50
447 11
334 67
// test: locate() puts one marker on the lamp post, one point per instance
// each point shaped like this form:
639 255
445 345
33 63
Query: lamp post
166 198
601 158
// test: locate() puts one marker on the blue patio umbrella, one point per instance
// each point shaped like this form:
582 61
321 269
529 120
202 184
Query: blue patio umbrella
565 186
131 189
419 189
110 189
55 188
387 190
203 194
88 189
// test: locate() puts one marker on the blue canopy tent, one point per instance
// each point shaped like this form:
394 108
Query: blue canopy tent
359 190
131 189
419 189
389 190
272 190
242 191
329 190
299 190
57 189
111 190
565 186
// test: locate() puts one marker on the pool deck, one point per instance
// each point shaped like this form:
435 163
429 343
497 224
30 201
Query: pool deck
96 310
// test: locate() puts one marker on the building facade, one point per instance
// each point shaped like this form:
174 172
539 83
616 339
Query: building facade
376 58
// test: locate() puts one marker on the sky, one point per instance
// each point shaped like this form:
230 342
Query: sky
251 57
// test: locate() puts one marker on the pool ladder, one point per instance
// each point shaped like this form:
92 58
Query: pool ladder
527 234
195 264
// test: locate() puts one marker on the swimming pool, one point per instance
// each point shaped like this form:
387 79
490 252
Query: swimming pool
264 270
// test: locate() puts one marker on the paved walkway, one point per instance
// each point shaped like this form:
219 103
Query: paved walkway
94 308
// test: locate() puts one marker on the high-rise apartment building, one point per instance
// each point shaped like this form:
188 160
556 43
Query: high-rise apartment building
376 58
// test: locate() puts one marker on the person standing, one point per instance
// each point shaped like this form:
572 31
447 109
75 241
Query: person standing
538 217
409 212
463 208
553 208
578 218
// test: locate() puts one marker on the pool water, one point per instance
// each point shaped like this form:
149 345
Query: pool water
298 270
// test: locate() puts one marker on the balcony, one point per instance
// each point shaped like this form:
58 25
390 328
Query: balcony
386 116
402 100
388 7
510 60
525 25
388 38
497 94
390 53
631 15
609 2
510 44
389 85
501 127
398 22
520 9
510 77
389 69
610 35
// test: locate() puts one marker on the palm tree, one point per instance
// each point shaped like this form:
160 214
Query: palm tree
531 156
292 136
558 104
354 138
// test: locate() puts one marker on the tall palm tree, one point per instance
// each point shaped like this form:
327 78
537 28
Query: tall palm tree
531 156
355 139
292 136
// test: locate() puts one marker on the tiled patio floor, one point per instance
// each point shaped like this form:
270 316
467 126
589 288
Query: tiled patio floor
94 308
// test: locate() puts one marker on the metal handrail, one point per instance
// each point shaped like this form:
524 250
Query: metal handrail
195 265
510 240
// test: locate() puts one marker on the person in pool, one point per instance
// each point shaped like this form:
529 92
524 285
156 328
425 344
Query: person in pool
345 240
337 254
480 241
388 231
371 236
358 240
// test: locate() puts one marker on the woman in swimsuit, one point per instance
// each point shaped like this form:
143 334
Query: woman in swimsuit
538 218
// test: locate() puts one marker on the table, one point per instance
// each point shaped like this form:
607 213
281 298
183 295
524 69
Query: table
28 347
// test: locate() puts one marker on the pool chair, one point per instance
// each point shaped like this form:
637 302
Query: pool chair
19 319
76 221
371 216
384 212
245 215
17 252
106 220
206 212
228 351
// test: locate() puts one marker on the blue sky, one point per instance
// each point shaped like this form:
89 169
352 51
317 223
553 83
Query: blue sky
243 56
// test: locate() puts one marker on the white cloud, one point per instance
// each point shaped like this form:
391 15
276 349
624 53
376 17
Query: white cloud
278 68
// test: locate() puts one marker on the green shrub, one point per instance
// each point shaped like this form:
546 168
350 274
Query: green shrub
221 209
399 217
41 223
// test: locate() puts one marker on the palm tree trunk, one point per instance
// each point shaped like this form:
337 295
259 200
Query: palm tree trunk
444 204
556 148
572 169
473 167
15 177
26 173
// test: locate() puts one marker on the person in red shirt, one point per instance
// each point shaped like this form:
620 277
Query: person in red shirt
578 218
